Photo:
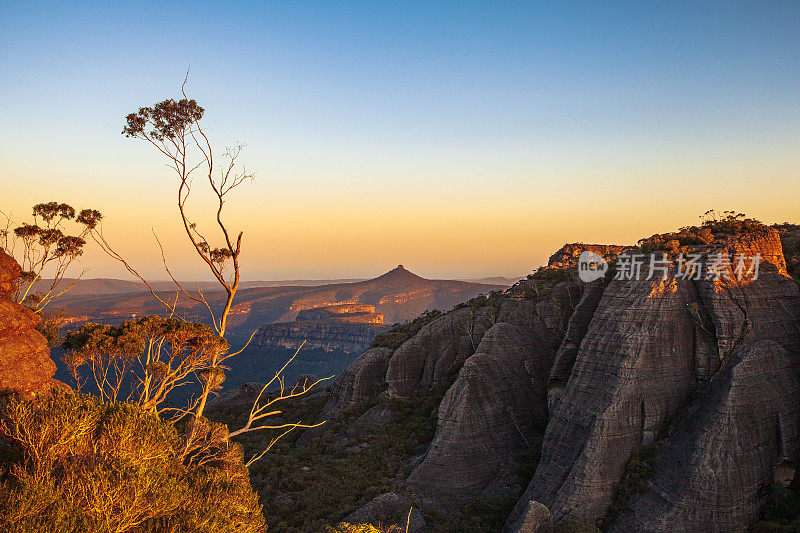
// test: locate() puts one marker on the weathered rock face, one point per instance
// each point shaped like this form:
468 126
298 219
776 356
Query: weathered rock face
722 453
438 351
576 330
363 379
495 410
329 336
628 376
25 363
646 348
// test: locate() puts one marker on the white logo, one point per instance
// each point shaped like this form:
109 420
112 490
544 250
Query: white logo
591 266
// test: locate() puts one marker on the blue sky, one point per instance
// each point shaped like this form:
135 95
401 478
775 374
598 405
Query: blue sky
479 136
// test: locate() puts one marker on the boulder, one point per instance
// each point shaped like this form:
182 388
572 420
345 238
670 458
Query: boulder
389 509
25 364
536 519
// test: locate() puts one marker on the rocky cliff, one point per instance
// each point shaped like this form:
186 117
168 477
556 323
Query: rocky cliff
700 375
25 363
329 336
348 328
649 346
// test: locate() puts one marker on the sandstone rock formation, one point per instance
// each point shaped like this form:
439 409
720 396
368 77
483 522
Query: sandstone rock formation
25 363
438 351
648 346
722 453
328 336
705 371
495 410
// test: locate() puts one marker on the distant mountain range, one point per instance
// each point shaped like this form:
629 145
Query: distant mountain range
98 286
398 295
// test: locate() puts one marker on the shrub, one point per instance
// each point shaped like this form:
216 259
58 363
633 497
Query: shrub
714 225
478 516
400 333
306 488
83 465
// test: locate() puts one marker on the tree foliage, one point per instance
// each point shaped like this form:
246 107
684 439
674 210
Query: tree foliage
144 359
47 245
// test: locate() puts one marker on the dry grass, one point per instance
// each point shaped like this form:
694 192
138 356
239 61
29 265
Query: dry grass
79 464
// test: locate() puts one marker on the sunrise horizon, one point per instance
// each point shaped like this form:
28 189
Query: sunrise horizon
467 143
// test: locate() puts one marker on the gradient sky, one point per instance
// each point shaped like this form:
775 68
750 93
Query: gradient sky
461 139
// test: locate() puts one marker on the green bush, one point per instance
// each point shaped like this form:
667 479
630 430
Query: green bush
478 516
307 488
400 333
83 465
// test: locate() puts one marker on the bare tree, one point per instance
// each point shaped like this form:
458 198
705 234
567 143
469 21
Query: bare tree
174 129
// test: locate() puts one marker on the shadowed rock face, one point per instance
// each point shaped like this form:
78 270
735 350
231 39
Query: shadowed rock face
438 351
496 408
646 348
25 363
712 471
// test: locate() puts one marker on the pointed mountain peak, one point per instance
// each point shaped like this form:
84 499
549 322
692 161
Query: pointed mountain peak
399 274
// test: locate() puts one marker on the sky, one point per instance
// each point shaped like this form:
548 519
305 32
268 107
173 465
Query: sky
462 139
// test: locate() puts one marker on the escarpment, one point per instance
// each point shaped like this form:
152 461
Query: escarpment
700 372
649 345
329 336
25 364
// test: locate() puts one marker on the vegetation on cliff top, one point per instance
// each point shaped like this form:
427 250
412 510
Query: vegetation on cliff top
714 225
400 333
